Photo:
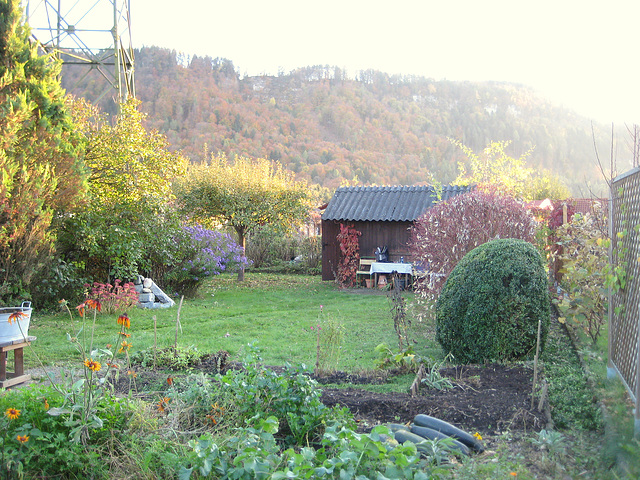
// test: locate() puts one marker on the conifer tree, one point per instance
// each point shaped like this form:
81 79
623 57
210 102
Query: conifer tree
41 167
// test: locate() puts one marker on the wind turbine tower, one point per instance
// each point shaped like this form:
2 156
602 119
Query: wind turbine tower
91 34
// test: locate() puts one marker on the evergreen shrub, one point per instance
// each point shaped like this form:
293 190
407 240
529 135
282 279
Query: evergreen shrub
492 301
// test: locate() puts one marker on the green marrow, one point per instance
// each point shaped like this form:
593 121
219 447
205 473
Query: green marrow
431 434
449 430
406 436
394 427
402 436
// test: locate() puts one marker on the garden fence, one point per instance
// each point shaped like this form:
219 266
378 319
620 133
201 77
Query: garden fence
624 314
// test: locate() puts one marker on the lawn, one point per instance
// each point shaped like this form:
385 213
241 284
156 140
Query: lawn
275 312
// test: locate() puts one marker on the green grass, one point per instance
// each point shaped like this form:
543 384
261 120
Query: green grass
276 312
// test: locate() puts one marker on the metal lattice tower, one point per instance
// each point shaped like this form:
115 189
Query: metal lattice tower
95 34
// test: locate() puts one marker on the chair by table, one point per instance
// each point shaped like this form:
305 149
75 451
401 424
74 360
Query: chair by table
8 379
364 269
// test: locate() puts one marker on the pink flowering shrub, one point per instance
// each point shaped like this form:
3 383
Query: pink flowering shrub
114 299
451 229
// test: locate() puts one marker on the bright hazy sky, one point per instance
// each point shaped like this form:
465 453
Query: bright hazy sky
582 54
579 53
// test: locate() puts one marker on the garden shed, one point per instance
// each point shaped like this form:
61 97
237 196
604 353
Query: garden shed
384 216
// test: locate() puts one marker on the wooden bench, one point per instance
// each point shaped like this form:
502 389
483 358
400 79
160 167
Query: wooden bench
7 378
364 269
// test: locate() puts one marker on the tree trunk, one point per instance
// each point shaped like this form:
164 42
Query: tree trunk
242 241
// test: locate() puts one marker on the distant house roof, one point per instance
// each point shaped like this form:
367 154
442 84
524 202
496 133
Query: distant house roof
385 204
586 205
545 204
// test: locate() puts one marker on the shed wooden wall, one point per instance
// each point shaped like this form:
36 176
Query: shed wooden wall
393 235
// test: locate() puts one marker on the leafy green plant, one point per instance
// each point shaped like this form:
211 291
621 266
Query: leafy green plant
405 360
572 400
252 452
585 272
551 441
292 397
84 397
492 303
433 378
180 358
45 450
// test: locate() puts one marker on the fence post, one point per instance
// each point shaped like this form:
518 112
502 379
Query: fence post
611 371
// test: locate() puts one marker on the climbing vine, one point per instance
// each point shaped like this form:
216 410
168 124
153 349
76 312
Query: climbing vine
350 255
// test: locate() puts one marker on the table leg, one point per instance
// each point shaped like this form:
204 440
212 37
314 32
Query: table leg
18 360
3 365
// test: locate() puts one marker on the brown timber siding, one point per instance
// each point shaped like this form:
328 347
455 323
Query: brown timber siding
393 235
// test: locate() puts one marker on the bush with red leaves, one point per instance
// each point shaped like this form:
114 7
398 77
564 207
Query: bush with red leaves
451 229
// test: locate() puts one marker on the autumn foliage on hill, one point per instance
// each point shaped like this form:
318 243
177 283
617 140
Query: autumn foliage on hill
329 128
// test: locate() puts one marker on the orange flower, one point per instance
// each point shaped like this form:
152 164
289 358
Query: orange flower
16 316
170 380
115 366
80 309
23 438
212 419
92 303
514 474
12 413
109 346
92 365
131 373
125 335
124 346
124 321
46 404
163 403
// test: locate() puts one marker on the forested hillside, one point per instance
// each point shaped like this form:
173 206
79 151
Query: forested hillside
375 129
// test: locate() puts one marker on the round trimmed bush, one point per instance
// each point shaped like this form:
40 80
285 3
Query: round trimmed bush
491 303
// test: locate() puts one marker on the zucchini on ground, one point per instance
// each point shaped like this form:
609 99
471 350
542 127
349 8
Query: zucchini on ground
449 430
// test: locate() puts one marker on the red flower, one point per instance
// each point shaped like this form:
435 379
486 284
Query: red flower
93 303
124 321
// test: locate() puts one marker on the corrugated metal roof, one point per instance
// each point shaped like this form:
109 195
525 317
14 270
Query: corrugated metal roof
385 204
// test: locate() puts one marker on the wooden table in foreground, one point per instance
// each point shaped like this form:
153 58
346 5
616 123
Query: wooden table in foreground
7 379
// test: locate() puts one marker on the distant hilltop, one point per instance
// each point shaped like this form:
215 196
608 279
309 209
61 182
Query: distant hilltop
375 129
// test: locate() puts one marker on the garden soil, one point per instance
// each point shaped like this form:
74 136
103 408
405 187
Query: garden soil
490 399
